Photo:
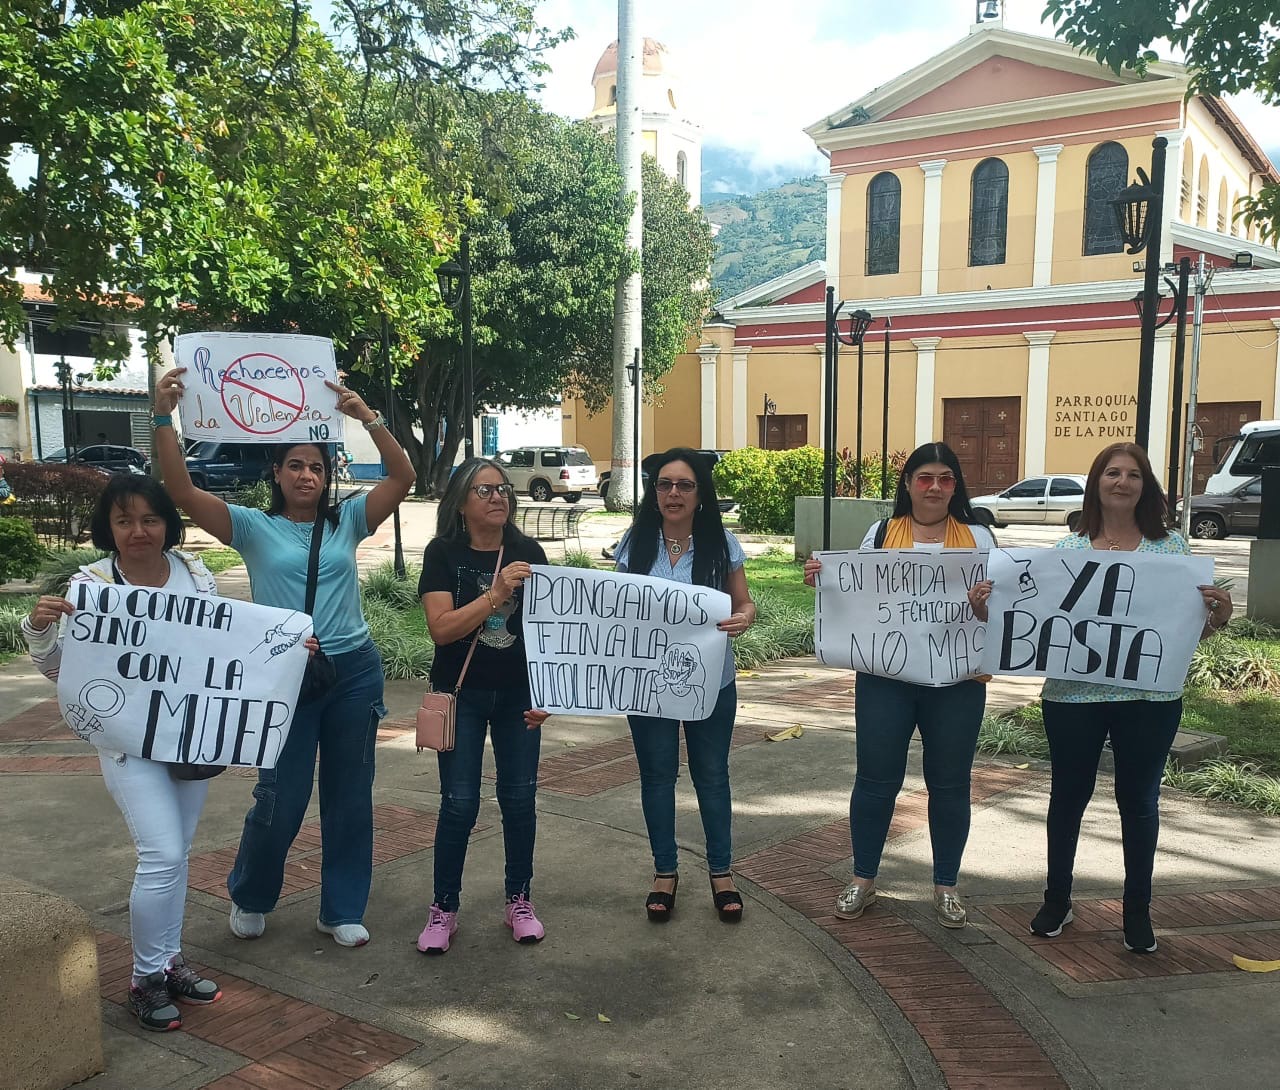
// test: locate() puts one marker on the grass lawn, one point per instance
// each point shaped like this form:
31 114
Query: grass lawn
219 559
1250 722
782 576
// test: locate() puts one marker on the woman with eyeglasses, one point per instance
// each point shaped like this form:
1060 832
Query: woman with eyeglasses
677 534
473 575
931 512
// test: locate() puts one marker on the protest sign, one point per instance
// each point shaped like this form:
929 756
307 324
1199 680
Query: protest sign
258 388
900 613
183 678
1116 618
607 643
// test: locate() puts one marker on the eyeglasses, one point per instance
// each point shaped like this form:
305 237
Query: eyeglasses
925 481
484 491
684 487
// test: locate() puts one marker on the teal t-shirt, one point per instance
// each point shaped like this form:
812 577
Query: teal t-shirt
275 551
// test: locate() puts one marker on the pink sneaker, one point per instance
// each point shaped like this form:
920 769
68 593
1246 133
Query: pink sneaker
439 930
525 925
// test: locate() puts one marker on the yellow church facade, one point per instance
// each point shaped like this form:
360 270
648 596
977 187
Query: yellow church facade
968 210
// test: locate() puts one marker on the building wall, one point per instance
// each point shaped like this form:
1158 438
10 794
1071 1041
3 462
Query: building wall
955 273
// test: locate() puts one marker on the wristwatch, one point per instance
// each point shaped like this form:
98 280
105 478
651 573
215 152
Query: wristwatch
378 421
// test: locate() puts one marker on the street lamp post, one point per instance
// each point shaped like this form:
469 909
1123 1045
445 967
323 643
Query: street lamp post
454 278
385 353
1139 212
770 408
859 320
884 418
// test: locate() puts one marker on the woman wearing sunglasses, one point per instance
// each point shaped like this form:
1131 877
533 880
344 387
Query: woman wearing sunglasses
473 574
931 512
677 534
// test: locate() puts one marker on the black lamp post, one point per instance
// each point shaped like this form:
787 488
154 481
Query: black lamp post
770 409
454 278
859 320
1139 212
884 419
389 396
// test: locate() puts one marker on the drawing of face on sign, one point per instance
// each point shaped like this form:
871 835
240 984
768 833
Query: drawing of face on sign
1026 583
680 683
495 632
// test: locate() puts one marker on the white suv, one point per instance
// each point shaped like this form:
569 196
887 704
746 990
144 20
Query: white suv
547 472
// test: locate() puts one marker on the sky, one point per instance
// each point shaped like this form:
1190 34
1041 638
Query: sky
755 73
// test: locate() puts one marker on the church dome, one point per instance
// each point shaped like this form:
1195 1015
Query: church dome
656 60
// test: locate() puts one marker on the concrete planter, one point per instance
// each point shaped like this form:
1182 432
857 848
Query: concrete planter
850 521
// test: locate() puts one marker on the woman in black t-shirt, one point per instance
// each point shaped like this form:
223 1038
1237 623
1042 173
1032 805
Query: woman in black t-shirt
473 575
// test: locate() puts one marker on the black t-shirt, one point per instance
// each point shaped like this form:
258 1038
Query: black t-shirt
499 661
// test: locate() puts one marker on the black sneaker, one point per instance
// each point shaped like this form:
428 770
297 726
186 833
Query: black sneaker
1138 936
1051 919
150 1001
188 986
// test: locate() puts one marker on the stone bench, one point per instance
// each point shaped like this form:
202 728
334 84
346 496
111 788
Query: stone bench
50 1015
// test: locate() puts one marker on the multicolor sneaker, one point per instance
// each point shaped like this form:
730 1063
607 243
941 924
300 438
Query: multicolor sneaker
150 1001
188 986
519 916
439 930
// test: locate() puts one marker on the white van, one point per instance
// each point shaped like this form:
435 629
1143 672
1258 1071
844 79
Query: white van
1245 454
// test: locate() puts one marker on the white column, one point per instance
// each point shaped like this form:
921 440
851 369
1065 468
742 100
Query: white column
932 226
710 355
1161 383
1172 191
1275 401
740 397
820 439
1046 211
835 187
1037 400
926 357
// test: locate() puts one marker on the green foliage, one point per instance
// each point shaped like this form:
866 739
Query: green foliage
381 585
1010 734
767 235
256 495
766 483
779 574
12 610
1234 665
1242 784
1251 628
57 500
576 558
847 477
20 550
220 559
782 630
61 564
405 649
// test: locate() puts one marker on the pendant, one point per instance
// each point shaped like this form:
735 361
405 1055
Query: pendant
675 547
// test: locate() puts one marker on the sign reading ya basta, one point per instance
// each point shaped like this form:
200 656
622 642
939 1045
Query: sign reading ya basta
183 678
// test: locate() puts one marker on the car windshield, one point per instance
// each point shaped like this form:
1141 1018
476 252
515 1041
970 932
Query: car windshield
577 458
203 449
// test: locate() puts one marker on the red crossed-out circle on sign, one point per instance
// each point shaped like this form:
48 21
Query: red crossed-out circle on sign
282 395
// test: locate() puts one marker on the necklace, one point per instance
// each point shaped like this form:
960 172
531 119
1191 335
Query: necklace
1114 545
675 545
927 534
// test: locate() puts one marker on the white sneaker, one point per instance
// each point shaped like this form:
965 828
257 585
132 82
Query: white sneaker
247 925
344 934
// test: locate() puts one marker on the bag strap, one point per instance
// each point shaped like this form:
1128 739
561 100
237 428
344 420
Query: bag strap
882 528
476 638
313 561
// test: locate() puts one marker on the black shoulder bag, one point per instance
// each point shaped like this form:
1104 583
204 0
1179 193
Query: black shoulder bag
321 675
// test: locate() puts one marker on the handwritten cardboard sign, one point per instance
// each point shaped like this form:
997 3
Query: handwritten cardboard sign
183 678
258 388
1116 618
607 643
900 613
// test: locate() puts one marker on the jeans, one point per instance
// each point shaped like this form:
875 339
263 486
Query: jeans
888 712
657 743
500 712
1141 733
342 726
161 814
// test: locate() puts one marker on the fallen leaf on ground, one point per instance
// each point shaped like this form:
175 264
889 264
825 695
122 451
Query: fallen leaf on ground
371 979
603 1018
793 731
573 1017
747 673
1022 766
1251 966
571 745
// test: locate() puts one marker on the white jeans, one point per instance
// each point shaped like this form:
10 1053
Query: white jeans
161 813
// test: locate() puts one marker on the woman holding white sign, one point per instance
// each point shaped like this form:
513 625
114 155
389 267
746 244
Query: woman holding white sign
1124 510
932 512
677 534
138 526
339 723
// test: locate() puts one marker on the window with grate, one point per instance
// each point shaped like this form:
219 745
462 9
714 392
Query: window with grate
1105 176
884 224
988 213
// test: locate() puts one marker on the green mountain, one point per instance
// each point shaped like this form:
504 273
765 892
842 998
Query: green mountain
766 234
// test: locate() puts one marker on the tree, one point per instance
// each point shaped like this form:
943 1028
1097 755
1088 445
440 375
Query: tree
1231 46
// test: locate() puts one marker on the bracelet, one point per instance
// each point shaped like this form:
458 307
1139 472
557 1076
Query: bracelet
378 421
165 421
493 606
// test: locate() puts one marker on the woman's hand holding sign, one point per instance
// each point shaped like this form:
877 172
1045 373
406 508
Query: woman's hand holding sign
734 625
979 595
48 610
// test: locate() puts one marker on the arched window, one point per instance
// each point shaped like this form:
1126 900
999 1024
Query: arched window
988 213
613 94
1202 194
884 223
682 169
1105 175
1186 184
1224 211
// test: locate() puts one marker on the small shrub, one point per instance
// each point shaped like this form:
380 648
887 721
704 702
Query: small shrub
1250 628
20 550
782 630
381 585
576 558
256 495
1233 665
1240 783
11 613
58 500
61 564
847 477
1011 734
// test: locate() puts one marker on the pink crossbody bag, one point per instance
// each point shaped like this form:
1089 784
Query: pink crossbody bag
438 716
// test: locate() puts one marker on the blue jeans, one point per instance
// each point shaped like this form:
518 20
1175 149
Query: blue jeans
1141 733
342 726
888 713
515 754
657 743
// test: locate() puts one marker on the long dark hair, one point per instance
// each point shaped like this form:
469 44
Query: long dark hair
326 509
959 507
123 487
451 526
1152 510
710 548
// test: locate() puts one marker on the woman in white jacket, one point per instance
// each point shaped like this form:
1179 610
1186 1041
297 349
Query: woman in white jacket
137 524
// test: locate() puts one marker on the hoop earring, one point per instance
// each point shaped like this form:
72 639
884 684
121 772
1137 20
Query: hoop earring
699 508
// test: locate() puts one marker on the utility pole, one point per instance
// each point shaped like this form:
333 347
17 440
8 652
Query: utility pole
1203 280
627 326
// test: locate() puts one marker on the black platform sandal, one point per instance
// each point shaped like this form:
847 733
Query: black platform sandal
660 905
728 902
